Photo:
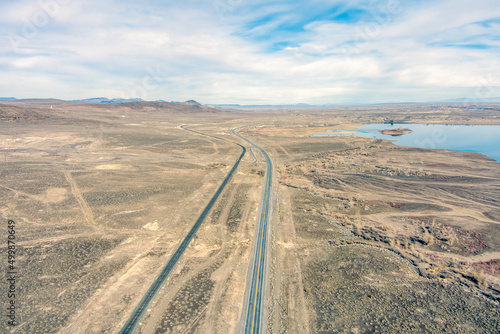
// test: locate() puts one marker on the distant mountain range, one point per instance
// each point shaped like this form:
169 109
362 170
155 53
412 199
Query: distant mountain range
467 100
473 100
106 100
298 105
118 100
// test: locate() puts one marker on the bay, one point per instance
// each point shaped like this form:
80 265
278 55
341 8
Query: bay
484 139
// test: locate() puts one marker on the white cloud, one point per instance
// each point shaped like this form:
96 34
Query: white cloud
184 50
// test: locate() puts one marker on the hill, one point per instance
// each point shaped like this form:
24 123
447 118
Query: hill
12 113
106 100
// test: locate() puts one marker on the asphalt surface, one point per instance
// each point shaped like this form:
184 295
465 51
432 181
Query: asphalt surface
253 314
139 312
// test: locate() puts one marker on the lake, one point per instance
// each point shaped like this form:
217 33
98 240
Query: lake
483 139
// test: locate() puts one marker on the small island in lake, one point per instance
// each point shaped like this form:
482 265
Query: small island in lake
395 132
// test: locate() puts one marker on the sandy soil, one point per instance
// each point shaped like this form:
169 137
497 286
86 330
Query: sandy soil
365 236
377 231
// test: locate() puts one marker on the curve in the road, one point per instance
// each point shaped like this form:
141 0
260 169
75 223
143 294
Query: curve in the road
140 310
252 317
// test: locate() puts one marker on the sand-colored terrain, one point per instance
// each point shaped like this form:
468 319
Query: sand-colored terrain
365 236
380 238
304 130
102 197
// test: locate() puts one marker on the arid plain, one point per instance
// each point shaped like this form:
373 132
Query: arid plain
366 236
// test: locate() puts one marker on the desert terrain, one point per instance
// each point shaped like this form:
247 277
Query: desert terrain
365 236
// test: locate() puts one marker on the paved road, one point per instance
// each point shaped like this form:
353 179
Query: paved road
140 310
256 288
201 133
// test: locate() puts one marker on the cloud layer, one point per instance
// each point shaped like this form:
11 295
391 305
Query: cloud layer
244 51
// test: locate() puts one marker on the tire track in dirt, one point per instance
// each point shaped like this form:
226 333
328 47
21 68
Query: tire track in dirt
294 313
87 212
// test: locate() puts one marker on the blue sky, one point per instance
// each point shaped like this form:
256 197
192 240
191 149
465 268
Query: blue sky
251 51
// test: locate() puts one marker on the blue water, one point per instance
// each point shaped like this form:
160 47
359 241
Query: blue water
483 139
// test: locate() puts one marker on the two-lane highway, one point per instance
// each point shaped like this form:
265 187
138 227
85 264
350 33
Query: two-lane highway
253 314
255 294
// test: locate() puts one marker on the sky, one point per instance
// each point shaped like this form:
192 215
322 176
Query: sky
251 51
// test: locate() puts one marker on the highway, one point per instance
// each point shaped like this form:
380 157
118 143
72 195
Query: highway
253 310
201 133
139 312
